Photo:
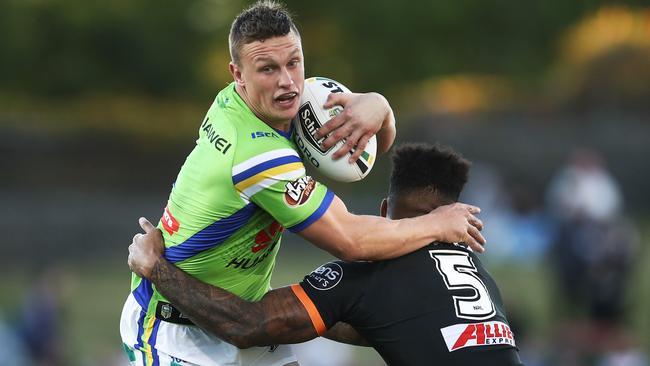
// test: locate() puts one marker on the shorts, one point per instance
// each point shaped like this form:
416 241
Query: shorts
189 345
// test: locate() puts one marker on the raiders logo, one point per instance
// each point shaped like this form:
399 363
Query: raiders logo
298 192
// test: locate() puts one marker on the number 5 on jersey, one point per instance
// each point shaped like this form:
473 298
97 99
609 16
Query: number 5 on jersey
459 273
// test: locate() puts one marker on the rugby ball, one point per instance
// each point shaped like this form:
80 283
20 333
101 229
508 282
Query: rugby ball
311 116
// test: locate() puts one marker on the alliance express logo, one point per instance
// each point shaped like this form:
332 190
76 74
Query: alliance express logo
298 192
169 222
477 334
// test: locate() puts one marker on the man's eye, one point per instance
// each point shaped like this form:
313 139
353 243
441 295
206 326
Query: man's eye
267 69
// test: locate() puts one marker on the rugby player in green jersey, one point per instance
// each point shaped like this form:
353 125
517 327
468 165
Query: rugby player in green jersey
239 189
436 305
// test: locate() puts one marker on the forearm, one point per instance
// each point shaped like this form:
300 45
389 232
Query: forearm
215 310
277 318
362 237
377 238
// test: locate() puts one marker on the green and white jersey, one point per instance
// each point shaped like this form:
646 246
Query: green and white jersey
243 183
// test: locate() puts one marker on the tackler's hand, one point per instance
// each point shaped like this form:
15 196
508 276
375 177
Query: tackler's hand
458 224
146 249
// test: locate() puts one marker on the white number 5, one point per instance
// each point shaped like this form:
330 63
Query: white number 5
459 273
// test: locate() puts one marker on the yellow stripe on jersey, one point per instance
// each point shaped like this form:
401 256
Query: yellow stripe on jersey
148 330
269 173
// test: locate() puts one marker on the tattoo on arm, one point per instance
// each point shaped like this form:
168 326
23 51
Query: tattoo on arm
345 333
277 318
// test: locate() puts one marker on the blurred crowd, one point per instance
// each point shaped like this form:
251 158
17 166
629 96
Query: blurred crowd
579 232
576 231
34 336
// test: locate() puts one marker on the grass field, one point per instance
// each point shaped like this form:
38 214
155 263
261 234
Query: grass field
93 293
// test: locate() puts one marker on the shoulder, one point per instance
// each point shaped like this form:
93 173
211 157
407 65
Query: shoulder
219 127
331 274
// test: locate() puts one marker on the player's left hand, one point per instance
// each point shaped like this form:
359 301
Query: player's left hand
362 117
146 249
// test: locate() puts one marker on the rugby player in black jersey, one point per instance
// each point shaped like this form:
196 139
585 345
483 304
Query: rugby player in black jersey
437 305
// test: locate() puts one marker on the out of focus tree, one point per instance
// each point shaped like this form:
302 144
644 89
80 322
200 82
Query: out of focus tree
72 47
603 61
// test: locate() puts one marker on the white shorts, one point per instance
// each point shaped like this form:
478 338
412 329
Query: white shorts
176 344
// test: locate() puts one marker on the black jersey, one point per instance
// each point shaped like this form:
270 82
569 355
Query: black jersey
435 306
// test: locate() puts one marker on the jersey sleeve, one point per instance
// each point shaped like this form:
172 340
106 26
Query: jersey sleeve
276 182
331 293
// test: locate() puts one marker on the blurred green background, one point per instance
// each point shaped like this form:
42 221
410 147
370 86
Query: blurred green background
100 102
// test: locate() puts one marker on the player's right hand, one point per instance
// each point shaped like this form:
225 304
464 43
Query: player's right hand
458 224
364 114
145 249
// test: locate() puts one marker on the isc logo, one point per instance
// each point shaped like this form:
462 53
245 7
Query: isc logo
258 134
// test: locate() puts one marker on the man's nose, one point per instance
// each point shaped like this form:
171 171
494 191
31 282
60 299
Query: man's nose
285 78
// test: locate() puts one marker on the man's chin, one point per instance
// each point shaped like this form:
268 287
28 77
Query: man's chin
288 114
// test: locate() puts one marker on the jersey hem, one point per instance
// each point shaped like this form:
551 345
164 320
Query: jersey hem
320 211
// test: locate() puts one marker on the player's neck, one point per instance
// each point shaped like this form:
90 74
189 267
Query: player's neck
283 126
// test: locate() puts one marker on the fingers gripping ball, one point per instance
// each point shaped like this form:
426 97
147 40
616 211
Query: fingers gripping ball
312 116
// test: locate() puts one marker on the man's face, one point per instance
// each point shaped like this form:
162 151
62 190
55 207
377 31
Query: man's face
270 75
411 204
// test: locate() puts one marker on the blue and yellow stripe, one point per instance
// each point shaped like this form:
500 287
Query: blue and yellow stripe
270 173
147 325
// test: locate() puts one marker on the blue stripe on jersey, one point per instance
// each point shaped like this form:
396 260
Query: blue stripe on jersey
138 346
327 201
152 343
265 166
211 236
143 294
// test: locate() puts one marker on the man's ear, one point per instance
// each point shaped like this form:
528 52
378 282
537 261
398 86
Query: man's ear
383 209
235 71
